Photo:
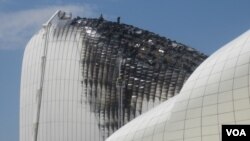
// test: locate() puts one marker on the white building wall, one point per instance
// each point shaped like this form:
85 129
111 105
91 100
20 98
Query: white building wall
64 113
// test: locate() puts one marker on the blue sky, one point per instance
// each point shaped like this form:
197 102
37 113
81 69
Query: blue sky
204 25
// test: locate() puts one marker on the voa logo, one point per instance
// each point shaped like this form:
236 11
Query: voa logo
236 132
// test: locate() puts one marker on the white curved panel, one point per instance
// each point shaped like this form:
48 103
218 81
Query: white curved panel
62 116
216 93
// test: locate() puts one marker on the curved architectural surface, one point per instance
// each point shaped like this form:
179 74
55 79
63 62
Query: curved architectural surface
83 78
216 93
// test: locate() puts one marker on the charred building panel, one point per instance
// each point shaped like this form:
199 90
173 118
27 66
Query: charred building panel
128 71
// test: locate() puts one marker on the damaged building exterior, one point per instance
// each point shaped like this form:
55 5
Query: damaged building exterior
216 94
82 79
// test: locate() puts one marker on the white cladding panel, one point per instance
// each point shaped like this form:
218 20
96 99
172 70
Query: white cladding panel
64 113
216 93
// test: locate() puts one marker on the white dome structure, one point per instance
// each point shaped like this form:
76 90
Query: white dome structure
82 78
216 93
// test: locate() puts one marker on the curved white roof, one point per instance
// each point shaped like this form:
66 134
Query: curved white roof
216 93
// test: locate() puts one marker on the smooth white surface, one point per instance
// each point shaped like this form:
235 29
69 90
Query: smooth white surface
216 93
64 114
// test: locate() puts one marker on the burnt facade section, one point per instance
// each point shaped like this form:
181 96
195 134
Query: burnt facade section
128 71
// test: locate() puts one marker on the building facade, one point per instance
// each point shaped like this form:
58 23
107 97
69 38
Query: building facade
216 93
82 79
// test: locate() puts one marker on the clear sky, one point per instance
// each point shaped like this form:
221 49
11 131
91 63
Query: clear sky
204 25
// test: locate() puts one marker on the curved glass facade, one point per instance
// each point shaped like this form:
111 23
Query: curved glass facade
82 79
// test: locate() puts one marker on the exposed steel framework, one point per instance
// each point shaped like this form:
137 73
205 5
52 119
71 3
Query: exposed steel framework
128 71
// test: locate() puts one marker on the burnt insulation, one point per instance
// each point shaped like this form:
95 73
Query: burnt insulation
128 70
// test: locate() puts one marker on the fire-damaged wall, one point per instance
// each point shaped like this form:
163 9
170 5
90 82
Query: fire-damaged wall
82 78
127 70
